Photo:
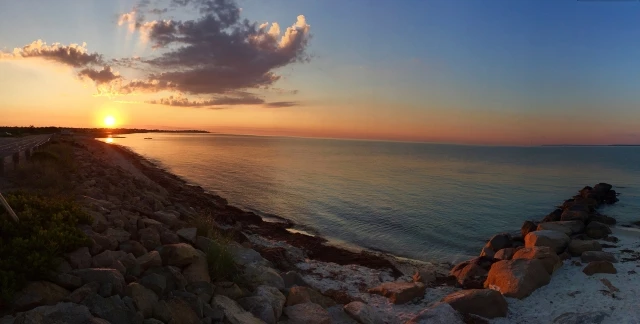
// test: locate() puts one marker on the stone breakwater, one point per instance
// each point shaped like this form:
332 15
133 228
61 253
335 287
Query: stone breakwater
515 266
147 264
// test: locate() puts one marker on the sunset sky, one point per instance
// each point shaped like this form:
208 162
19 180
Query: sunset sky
520 72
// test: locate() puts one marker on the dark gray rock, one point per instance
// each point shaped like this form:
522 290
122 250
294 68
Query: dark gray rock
156 282
113 309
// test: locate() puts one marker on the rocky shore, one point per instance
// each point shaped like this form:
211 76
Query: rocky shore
147 263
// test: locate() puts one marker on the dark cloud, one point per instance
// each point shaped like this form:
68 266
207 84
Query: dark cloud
220 101
157 11
73 55
218 52
281 104
103 76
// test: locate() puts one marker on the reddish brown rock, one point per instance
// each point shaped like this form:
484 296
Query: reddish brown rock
483 302
400 292
517 278
472 273
549 258
599 267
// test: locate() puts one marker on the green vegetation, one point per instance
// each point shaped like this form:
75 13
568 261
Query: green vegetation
220 261
30 249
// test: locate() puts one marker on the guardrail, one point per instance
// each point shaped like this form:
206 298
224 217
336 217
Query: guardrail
17 146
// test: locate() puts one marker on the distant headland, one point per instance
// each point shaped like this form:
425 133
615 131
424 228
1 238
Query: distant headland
14 131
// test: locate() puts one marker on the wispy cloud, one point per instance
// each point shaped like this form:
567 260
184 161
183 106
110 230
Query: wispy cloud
281 104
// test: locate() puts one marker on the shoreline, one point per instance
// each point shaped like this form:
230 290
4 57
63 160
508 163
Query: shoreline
317 247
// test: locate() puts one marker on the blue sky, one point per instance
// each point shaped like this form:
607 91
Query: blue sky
395 63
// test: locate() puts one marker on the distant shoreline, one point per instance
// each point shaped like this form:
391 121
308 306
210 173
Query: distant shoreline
598 145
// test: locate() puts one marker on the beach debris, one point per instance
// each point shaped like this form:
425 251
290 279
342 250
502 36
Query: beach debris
611 287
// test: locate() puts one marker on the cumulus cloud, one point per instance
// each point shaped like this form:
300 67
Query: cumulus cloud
216 57
73 55
218 52
103 76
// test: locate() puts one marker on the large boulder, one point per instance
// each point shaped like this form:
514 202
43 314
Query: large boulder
78 295
233 313
103 276
156 282
80 258
300 295
557 241
472 273
256 275
567 227
113 309
438 313
173 277
134 247
499 242
363 313
599 267
483 302
266 304
577 247
149 260
107 258
307 313
548 257
554 216
149 238
188 234
118 234
229 289
165 218
517 278
67 313
505 254
181 312
198 270
575 213
37 294
597 230
528 227
143 298
400 292
178 255
589 256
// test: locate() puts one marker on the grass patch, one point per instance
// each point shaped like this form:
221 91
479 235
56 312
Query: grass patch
30 249
221 264
48 170
219 258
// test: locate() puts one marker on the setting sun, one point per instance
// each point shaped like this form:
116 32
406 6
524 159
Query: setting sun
109 121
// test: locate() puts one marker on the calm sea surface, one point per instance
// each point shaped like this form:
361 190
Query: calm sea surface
423 201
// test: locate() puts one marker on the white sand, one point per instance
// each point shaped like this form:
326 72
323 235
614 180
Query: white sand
570 290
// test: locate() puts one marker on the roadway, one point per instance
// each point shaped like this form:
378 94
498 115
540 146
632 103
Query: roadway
10 145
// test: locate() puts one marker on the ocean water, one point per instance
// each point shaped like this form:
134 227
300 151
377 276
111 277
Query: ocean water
422 201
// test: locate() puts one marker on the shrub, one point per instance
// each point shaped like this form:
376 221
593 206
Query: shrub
221 264
29 250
